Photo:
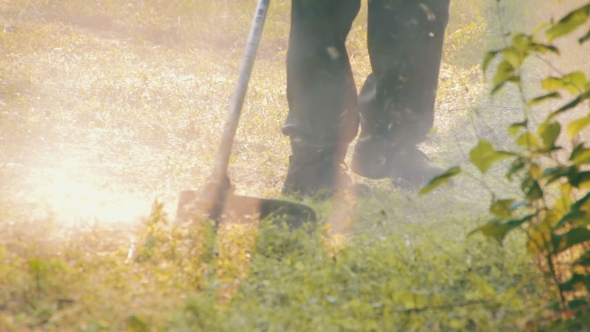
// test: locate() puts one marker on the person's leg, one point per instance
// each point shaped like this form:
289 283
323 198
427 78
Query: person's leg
405 40
323 110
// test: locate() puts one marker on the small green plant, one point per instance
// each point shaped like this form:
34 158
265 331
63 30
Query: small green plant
554 208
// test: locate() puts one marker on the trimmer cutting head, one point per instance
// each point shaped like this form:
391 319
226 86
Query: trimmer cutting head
242 209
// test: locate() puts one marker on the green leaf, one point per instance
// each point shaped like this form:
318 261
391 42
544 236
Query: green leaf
494 229
514 128
529 140
527 182
498 230
580 155
535 192
440 180
517 222
581 202
505 73
521 43
552 83
574 218
569 239
540 27
512 56
568 106
542 48
571 104
569 23
549 133
488 58
581 180
573 82
577 80
578 303
551 218
584 260
502 208
577 216
555 173
538 100
576 279
516 166
483 156
576 126
563 204
513 79
538 235
584 38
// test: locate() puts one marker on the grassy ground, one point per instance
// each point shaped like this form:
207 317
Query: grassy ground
106 107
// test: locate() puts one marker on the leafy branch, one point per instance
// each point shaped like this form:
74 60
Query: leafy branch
554 208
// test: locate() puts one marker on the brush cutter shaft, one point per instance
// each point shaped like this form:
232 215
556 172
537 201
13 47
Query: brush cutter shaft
237 101
216 199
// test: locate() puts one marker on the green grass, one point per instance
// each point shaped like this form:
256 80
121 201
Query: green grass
106 107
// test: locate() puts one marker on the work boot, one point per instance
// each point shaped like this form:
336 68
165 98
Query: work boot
407 166
320 177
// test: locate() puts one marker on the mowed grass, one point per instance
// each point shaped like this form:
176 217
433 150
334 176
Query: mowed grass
107 107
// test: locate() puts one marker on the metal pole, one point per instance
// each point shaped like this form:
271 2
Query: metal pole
237 101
